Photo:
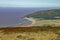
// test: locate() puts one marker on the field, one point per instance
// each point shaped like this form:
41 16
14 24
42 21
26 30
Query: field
30 33
54 23
43 22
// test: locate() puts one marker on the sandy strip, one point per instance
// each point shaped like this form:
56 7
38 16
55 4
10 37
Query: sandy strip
32 20
26 24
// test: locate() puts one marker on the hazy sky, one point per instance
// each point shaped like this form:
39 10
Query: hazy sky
29 3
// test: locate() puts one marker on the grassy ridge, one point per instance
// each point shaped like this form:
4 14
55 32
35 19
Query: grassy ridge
30 33
46 14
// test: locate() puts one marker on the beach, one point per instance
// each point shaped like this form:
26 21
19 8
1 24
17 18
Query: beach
30 23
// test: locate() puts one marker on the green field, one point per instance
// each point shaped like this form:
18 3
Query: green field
45 14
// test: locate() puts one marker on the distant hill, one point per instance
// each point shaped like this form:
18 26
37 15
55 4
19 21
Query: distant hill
46 14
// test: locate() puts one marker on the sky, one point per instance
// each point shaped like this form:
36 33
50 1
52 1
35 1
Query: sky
29 3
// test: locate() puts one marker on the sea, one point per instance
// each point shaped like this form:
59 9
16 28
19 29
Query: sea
10 16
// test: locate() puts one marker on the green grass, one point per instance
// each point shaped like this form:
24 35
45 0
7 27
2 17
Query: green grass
47 14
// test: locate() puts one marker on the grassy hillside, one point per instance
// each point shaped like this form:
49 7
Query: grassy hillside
45 14
30 33
46 17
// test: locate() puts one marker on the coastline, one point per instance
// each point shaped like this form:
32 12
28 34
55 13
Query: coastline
31 22
26 24
30 19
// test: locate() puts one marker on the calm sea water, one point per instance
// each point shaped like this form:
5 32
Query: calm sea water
12 16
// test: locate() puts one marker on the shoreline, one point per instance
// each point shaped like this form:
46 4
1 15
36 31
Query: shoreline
29 23
21 24
26 24
30 19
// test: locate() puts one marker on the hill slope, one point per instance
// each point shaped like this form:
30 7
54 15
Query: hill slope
46 18
46 14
